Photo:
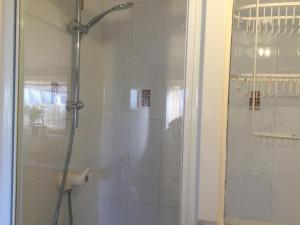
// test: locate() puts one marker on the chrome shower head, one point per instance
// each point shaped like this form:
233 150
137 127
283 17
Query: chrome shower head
123 6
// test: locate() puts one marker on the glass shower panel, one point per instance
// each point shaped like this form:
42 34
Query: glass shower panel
262 184
130 129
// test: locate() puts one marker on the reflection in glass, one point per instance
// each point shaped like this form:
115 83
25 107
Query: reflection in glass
45 104
175 102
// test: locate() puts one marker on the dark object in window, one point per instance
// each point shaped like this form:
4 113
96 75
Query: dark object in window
256 98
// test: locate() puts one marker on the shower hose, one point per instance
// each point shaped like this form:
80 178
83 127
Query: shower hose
64 178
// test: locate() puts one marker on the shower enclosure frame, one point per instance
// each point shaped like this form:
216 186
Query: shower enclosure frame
8 93
190 159
223 147
201 61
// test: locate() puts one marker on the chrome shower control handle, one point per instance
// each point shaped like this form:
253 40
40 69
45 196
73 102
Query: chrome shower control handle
74 25
75 105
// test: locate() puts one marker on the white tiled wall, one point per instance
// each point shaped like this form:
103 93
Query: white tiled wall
137 174
135 154
263 174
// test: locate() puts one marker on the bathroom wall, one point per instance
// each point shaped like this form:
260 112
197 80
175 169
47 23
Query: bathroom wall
136 162
263 174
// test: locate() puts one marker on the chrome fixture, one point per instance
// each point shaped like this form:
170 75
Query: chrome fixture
76 25
74 105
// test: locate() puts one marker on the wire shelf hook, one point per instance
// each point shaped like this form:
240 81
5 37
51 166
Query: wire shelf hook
276 18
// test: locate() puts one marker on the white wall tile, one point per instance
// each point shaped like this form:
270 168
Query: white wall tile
32 39
267 64
41 42
112 212
47 194
54 12
170 175
168 216
286 119
249 196
286 200
143 182
243 115
176 8
89 214
288 56
117 60
145 139
247 152
171 149
87 144
116 97
115 138
142 214
29 203
149 45
91 95
29 168
65 48
113 177
117 45
90 55
242 52
286 158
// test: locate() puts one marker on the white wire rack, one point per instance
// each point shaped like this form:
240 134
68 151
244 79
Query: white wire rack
276 136
269 85
272 86
273 18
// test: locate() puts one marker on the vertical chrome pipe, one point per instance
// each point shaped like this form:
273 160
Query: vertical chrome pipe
76 65
75 106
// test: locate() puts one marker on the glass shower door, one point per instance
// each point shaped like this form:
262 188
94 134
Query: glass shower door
130 129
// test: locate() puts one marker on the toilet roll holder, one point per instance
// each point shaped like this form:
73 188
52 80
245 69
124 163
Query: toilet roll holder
75 180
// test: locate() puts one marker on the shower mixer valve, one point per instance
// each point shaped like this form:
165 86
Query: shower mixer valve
74 25
75 105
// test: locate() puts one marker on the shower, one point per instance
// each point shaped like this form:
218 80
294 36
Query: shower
76 25
101 15
74 105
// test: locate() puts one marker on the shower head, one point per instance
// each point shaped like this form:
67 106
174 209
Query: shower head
123 6
119 7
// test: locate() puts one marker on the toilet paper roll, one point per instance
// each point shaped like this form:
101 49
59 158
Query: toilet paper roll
76 179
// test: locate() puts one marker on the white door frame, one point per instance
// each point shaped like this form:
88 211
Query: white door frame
7 110
190 139
223 149
197 63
